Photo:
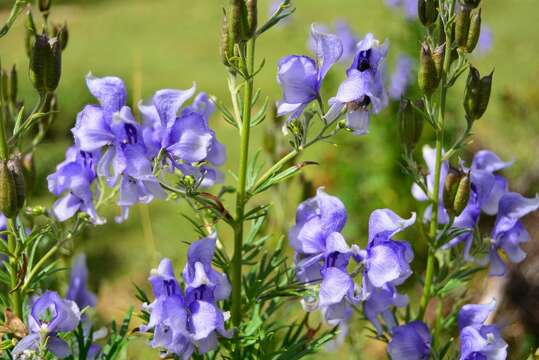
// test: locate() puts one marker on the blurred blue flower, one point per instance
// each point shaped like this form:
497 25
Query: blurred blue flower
477 340
50 315
380 302
411 341
349 39
486 40
363 90
301 76
401 77
78 284
408 6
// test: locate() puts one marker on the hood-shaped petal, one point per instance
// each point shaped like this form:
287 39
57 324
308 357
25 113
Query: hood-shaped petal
109 91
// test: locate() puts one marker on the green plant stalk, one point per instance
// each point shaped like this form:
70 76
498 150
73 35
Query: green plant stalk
15 294
248 66
429 273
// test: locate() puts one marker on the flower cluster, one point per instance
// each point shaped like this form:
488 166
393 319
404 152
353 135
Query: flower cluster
111 145
408 6
180 320
363 91
477 340
489 195
323 257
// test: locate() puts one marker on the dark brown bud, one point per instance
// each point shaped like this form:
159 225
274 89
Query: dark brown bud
474 32
428 78
462 26
477 94
427 11
46 63
44 5
252 17
15 166
438 56
8 191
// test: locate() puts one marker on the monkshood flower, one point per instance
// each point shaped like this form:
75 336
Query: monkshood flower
408 6
182 323
509 232
301 76
401 77
363 90
386 265
477 340
73 179
50 315
322 255
78 284
184 137
411 341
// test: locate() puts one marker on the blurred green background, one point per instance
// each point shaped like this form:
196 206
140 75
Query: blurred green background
173 43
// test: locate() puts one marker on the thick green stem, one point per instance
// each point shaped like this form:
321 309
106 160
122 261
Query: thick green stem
248 66
429 273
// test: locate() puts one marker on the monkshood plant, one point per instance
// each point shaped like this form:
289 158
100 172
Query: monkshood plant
245 300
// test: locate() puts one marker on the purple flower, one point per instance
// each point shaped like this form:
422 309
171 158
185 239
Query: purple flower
509 232
386 265
401 77
479 341
301 76
78 282
363 90
49 316
411 341
182 323
322 255
74 178
185 138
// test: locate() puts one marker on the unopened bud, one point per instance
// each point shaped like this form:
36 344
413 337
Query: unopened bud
226 46
451 185
188 181
477 94
8 191
252 17
237 21
471 3
13 84
427 11
410 123
15 166
462 26
438 57
46 63
474 32
462 195
428 78
61 32
44 5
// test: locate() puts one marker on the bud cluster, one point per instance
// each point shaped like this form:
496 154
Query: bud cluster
240 22
456 191
477 94
467 28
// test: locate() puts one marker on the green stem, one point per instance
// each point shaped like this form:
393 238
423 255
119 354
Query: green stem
248 66
429 273
15 293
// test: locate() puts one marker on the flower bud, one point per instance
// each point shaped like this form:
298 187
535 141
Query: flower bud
13 85
8 191
61 32
226 46
252 17
462 195
427 11
428 78
45 63
438 57
410 123
474 31
462 26
456 191
471 3
477 94
237 21
451 185
44 5
15 166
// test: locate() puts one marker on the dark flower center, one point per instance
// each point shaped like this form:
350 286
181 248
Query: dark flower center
170 287
87 158
476 356
363 60
131 132
331 260
359 105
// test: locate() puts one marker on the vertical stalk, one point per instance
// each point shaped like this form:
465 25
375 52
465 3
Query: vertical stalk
429 273
247 68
